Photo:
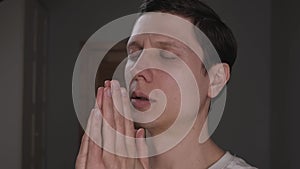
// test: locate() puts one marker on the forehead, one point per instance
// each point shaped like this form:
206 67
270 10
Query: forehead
164 24
167 28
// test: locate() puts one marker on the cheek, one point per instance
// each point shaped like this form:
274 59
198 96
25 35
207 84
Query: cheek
201 77
127 72
172 91
203 86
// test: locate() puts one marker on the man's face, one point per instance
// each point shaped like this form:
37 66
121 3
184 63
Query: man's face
158 62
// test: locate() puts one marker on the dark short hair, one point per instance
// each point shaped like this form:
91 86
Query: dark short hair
204 18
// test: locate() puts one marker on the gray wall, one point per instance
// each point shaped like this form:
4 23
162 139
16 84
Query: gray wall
285 84
11 73
245 126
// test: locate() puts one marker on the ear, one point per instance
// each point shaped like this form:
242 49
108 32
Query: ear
219 75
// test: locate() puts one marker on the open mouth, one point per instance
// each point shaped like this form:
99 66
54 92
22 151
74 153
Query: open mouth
140 101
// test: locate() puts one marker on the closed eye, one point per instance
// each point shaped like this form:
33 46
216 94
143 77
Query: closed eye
167 55
134 55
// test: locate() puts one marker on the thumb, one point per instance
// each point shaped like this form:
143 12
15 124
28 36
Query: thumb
142 148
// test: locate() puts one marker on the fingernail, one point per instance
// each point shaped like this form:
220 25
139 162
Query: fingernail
106 83
141 133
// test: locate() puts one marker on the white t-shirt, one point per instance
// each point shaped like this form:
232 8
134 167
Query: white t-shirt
229 161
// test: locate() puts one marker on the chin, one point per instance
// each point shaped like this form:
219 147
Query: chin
142 125
156 127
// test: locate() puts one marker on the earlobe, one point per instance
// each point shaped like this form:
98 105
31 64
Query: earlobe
219 75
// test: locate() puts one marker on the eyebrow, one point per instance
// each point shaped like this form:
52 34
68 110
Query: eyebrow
169 45
172 44
133 43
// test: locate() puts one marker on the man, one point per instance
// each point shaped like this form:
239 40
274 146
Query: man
172 75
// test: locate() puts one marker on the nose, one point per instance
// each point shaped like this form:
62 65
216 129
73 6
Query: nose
141 70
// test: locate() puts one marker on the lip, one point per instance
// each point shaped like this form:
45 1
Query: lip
140 100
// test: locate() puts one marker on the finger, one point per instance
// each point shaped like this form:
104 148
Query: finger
85 138
129 126
83 151
99 98
119 119
142 148
108 125
82 155
84 145
95 128
118 106
107 83
94 156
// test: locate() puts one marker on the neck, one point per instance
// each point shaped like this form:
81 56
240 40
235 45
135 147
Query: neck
189 152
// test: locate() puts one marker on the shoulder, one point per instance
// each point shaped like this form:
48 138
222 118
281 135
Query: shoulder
238 163
229 161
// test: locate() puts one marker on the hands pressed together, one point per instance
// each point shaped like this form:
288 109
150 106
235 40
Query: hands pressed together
100 145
